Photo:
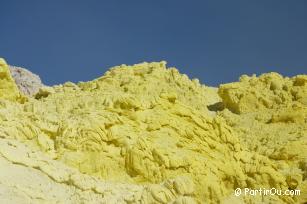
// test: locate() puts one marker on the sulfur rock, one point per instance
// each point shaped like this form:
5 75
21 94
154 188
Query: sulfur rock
148 134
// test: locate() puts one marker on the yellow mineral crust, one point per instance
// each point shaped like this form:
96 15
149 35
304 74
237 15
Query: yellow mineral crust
272 122
8 88
145 134
266 92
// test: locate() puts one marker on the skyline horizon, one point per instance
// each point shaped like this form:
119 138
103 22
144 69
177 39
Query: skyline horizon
214 41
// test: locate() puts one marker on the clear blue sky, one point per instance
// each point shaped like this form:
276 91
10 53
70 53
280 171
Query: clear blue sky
215 41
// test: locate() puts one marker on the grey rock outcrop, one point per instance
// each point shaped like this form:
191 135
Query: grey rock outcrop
27 82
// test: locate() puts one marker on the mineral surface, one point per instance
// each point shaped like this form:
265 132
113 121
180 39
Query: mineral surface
148 134
27 82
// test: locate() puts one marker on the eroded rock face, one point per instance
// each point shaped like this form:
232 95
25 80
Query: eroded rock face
266 92
28 83
269 115
8 88
144 134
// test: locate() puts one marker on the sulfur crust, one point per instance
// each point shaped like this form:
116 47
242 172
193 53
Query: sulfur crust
8 88
147 129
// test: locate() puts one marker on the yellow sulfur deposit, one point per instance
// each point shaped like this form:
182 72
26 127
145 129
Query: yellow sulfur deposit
148 134
8 88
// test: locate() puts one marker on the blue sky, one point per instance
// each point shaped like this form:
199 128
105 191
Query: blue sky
215 41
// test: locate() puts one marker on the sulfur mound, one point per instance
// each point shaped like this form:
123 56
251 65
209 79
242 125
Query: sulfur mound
269 91
8 88
269 114
144 134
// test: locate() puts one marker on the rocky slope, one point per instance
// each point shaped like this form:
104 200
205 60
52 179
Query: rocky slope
27 82
148 134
